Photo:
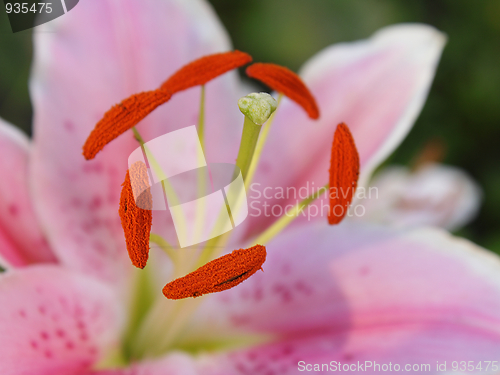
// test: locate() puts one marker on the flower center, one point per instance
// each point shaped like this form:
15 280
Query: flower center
156 323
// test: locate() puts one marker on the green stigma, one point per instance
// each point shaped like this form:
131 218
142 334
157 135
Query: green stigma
258 107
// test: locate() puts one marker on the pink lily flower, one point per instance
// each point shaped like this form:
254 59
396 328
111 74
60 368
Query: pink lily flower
356 293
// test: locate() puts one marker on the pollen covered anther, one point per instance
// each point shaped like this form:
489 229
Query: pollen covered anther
219 274
285 81
204 69
122 117
130 111
344 173
136 222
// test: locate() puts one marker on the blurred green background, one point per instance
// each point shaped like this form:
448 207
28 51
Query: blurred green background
462 111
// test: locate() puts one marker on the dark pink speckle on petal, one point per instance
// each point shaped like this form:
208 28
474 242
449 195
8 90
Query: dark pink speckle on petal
348 357
284 292
258 294
95 203
364 271
69 126
303 287
13 209
60 332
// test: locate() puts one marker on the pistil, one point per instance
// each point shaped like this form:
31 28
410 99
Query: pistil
260 146
257 108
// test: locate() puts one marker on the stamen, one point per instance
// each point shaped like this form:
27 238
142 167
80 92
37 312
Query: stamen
136 222
201 118
121 118
344 173
285 81
199 72
219 274
129 112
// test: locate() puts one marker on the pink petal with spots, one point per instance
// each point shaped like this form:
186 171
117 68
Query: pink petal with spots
53 321
376 86
97 55
369 350
22 240
368 289
374 350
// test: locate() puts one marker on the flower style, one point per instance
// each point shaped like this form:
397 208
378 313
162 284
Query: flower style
71 302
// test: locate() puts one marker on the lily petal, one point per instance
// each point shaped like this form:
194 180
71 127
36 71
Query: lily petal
434 194
9 254
53 321
376 86
419 348
98 54
22 239
335 285
174 364
370 350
